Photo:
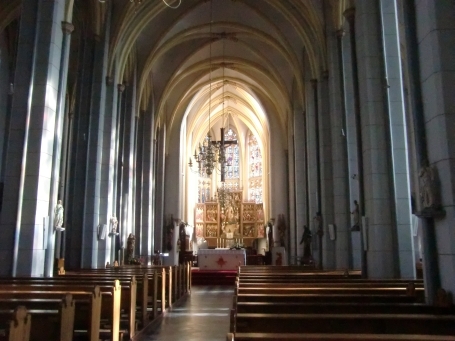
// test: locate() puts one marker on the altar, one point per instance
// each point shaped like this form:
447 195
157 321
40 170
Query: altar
221 259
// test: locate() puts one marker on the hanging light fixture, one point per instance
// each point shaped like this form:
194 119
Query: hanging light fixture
206 157
138 2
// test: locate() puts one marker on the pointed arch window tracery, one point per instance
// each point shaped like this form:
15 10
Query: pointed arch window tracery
254 169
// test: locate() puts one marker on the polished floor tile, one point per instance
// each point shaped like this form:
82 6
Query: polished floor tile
203 315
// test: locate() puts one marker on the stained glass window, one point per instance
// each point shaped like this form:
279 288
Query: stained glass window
255 170
232 156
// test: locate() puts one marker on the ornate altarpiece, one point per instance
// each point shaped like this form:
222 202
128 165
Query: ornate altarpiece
230 220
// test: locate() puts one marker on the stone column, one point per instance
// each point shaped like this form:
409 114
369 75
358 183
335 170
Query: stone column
357 130
25 212
75 209
291 235
339 151
127 164
379 210
94 218
429 254
351 137
55 236
393 88
107 198
138 161
145 190
319 228
300 188
326 170
436 51
121 165
159 189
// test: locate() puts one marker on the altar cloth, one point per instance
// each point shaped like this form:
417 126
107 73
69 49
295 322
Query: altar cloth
220 259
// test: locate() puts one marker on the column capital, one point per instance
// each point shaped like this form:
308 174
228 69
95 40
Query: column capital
67 27
349 14
109 80
120 87
340 33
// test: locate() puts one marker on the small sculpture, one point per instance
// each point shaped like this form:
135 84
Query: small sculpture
157 258
279 258
58 216
114 225
170 234
356 217
281 228
130 248
306 240
429 193
270 235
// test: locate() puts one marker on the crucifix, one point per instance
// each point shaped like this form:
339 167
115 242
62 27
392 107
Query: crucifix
222 158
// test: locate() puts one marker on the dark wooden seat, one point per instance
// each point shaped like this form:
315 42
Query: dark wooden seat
291 303
49 319
340 308
334 337
425 324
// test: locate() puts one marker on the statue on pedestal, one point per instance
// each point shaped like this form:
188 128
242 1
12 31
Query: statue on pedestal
306 240
356 217
130 248
58 216
429 190
270 235
281 226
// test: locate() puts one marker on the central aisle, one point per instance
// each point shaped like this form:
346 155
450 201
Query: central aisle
203 315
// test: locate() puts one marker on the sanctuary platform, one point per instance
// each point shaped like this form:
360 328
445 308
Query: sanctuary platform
221 259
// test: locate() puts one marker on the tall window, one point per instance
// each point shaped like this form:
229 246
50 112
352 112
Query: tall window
255 170
203 190
232 156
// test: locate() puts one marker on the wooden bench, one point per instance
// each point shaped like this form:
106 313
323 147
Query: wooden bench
87 316
425 324
49 319
131 300
291 304
340 307
152 285
108 313
334 337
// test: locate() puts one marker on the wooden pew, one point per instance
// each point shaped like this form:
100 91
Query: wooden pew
151 286
177 279
290 304
50 319
334 337
87 317
425 324
128 297
16 325
110 298
340 307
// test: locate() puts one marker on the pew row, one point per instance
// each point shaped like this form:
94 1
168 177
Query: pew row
333 337
50 319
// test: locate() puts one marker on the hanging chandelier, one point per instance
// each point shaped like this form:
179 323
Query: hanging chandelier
138 2
206 157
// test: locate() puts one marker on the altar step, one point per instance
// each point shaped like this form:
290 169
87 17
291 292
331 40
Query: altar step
212 277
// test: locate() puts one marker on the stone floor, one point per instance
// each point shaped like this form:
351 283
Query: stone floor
203 315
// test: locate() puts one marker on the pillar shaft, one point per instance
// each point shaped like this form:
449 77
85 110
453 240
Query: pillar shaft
380 226
25 211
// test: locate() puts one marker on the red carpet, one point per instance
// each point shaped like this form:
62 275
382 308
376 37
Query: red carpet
212 277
